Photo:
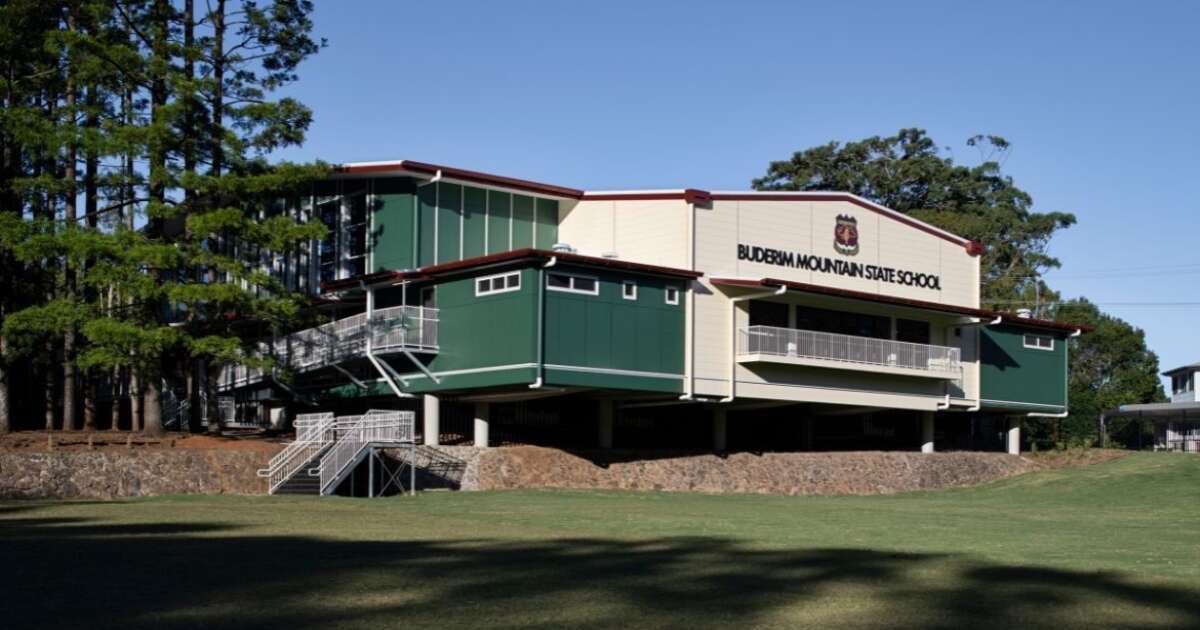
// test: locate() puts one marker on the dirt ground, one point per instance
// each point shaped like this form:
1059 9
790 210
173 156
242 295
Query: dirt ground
28 441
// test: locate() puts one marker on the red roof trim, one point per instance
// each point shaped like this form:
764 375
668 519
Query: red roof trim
1008 318
516 255
466 175
690 195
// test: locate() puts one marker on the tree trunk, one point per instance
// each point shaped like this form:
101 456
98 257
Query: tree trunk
135 400
152 414
114 409
89 402
215 422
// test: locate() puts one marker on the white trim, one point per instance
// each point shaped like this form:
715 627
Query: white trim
613 371
1022 404
1025 341
572 289
629 283
494 368
506 289
667 294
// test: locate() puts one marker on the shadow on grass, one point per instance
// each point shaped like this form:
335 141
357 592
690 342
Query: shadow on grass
66 573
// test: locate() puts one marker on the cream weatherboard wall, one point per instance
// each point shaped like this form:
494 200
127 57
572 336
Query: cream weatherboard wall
804 226
653 232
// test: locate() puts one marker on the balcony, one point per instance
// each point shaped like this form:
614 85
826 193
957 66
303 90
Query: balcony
768 344
393 329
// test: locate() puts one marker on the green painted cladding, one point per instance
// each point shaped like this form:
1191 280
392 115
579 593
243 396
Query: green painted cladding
449 213
426 222
522 223
1015 377
624 341
493 337
474 222
392 231
499 222
546 224
453 222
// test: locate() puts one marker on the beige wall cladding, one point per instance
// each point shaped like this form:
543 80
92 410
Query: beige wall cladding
652 232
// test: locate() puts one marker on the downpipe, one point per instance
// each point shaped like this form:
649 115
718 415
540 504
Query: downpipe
541 327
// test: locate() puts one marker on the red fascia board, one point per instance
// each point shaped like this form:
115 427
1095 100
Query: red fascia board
1008 318
466 175
516 255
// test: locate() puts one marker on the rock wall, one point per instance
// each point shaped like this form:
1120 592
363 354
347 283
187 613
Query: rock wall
138 473
766 473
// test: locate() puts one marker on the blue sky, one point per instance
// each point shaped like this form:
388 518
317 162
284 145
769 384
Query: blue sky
1101 101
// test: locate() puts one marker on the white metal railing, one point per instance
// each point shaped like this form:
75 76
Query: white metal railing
391 329
314 431
354 433
811 344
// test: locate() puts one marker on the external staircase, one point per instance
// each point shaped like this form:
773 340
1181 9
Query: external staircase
329 449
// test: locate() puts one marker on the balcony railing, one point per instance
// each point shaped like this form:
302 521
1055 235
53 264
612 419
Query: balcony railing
883 355
392 329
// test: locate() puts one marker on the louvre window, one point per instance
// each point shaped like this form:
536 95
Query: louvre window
671 295
573 284
629 290
1039 342
499 283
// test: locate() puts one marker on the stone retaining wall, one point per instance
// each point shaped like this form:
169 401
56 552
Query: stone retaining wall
138 473
869 472
113 474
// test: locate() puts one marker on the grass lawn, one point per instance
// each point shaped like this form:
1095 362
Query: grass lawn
1111 545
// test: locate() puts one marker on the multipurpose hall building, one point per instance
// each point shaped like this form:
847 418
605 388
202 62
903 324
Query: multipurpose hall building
505 311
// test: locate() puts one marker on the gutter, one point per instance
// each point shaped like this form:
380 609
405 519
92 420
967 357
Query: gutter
733 302
541 324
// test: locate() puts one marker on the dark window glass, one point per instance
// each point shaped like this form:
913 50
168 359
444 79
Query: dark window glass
764 313
912 331
358 240
559 282
358 266
483 286
358 208
843 323
585 284
514 281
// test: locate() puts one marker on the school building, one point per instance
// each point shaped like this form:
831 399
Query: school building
506 311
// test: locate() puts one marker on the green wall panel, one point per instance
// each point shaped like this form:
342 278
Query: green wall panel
474 221
485 331
522 221
499 220
609 332
391 237
426 219
573 378
449 223
1011 373
547 224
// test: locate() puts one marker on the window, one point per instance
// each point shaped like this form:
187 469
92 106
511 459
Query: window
573 284
1182 383
671 295
499 283
356 234
912 331
629 290
764 313
843 323
1039 342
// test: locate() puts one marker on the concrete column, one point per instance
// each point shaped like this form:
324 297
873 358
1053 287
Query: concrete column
608 411
433 421
1013 441
719 417
483 414
926 431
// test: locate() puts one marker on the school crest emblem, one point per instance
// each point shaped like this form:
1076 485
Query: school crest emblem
845 235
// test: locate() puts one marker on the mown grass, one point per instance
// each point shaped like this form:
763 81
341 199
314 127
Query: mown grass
1111 545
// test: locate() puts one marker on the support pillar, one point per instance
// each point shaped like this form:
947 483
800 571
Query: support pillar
719 422
1013 438
806 433
926 431
608 411
432 417
483 415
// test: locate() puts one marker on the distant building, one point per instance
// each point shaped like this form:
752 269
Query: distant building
1177 423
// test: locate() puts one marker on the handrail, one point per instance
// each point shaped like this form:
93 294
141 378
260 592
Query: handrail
393 328
791 342
314 431
354 433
